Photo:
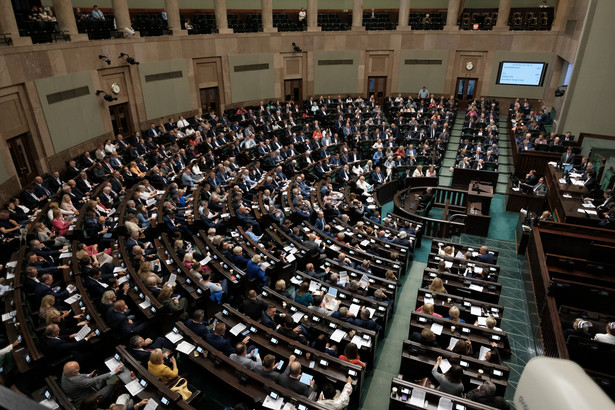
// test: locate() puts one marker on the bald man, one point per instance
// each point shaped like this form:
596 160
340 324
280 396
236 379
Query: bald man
78 386
291 376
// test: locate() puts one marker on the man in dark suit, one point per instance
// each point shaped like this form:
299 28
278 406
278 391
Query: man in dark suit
117 320
56 346
252 306
94 284
271 318
197 323
291 376
365 322
485 256
141 348
153 131
217 340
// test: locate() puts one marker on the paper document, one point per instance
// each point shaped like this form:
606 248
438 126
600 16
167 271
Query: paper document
475 310
338 335
172 279
50 404
185 347
134 387
237 329
9 315
174 337
482 321
118 269
587 211
448 264
297 316
437 328
343 277
151 404
274 404
66 255
445 404
314 286
460 255
445 365
476 288
354 309
483 352
588 205
112 364
359 341
418 398
205 261
452 343
364 282
83 332
291 258
146 303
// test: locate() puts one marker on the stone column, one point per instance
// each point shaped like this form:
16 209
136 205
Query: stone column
559 20
312 16
221 19
66 19
452 15
267 16
357 15
122 15
173 20
8 24
503 14
404 14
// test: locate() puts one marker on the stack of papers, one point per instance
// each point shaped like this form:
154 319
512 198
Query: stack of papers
50 404
475 310
274 404
185 347
134 387
146 303
112 364
476 288
588 211
314 286
418 398
338 335
237 329
83 332
9 315
297 316
72 299
64 255
360 341
174 337
437 328
151 404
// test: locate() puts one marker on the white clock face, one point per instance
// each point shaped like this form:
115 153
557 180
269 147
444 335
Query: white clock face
115 87
469 65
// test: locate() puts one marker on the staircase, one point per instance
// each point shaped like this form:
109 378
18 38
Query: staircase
446 177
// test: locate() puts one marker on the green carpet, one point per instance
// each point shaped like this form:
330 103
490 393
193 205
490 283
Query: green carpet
377 392
503 223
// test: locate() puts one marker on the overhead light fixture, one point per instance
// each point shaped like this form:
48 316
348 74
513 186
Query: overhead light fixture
107 97
105 59
129 59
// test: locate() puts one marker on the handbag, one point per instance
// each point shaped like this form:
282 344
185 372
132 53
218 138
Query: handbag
181 387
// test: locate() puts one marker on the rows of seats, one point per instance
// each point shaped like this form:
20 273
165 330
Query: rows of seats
149 177
427 21
484 18
530 19
333 22
150 24
455 329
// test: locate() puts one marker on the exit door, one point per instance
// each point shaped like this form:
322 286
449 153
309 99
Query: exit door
20 149
293 90
466 90
120 119
210 100
377 86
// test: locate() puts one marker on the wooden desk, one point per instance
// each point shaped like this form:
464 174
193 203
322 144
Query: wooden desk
517 200
566 209
479 203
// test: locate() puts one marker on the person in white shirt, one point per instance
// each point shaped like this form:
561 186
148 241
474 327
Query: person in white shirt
182 123
109 147
609 336
362 184
330 398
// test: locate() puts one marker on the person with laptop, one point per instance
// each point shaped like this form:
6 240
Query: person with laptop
294 379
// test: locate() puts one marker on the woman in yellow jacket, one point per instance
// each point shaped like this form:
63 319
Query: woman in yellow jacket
159 369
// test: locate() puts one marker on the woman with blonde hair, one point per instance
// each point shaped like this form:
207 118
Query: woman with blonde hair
45 234
67 205
437 285
145 271
156 366
58 224
453 314
418 172
428 309
46 306
53 206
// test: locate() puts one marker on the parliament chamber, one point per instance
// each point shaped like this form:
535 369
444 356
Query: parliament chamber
303 204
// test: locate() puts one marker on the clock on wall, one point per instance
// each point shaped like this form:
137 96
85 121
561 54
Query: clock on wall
115 87
469 66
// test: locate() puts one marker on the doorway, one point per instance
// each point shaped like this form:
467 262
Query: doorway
377 86
120 119
20 149
465 91
293 90
210 100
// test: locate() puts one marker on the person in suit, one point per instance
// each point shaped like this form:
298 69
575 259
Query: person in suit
217 340
485 256
56 346
567 157
291 376
601 204
197 323
94 285
141 348
540 188
254 271
77 386
426 197
271 318
531 178
119 322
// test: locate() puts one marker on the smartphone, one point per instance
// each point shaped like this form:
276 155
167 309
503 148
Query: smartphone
280 365
255 352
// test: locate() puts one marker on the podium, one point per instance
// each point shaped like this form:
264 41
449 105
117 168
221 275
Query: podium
479 203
